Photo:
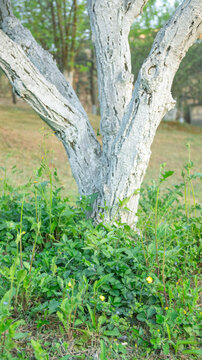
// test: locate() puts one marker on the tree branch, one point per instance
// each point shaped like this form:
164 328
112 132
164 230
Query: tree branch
134 8
150 101
62 114
110 30
5 10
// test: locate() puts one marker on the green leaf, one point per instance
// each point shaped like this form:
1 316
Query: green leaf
39 353
53 265
53 306
114 332
60 282
166 349
165 175
141 317
124 201
103 353
151 311
102 319
92 315
102 281
168 331
21 274
192 352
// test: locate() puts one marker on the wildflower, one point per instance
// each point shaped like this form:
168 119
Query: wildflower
200 313
69 284
115 339
102 298
158 330
23 233
149 279
177 283
35 182
166 308
185 312
5 303
124 343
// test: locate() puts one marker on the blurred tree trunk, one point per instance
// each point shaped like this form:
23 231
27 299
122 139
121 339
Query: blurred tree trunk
14 99
92 83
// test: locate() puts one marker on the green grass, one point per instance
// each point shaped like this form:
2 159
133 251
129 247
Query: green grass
72 290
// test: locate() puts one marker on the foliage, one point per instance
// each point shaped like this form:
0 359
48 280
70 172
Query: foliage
186 85
59 26
102 289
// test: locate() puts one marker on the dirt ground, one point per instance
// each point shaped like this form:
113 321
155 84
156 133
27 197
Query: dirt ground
24 138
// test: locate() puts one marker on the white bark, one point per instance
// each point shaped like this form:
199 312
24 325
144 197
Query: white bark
150 101
69 122
110 24
69 76
133 8
110 30
129 118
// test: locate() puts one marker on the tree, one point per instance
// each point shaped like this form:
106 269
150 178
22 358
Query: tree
55 25
187 85
130 114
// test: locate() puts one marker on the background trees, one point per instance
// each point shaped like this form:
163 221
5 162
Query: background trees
186 87
59 26
68 38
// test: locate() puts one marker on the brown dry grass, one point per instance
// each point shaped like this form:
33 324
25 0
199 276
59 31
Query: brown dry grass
22 143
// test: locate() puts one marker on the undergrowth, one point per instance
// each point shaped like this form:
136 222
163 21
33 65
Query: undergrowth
72 290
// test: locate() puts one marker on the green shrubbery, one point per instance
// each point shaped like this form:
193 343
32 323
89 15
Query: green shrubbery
70 289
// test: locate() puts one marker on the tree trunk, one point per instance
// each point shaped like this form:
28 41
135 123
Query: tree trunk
92 84
129 117
14 100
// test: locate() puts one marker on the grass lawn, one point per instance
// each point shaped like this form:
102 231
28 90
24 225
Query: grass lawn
24 138
73 290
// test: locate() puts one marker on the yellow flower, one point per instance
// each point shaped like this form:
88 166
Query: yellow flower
69 284
185 312
200 313
177 283
23 233
166 308
35 182
158 330
102 298
149 279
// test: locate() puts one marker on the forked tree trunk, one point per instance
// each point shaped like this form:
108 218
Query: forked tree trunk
130 114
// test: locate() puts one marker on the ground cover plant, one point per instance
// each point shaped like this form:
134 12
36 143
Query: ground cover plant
129 110
70 289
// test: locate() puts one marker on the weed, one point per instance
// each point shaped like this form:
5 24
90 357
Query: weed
104 289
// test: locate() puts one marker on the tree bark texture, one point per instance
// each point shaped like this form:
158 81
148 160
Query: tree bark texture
130 114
